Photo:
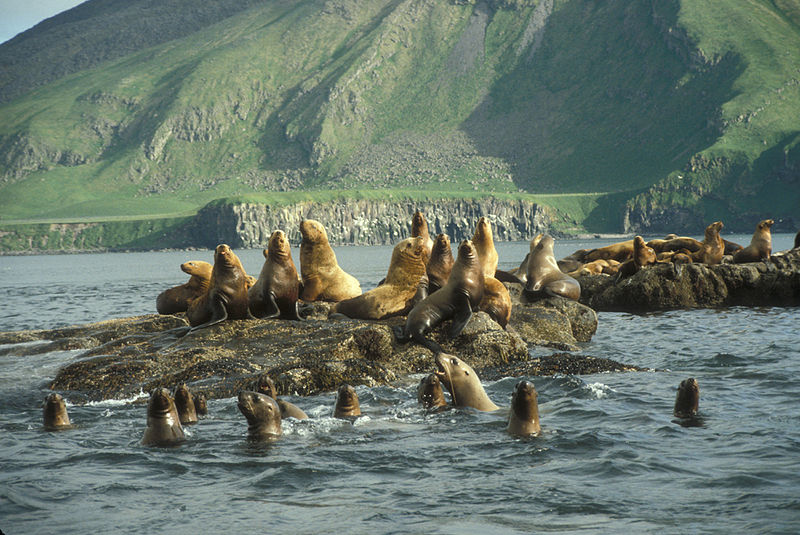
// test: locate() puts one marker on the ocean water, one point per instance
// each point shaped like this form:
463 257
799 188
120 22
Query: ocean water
611 457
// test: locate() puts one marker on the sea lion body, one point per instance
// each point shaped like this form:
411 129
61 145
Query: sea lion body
675 243
55 416
544 277
226 297
163 423
262 414
483 239
419 227
184 403
440 263
265 385
430 393
277 289
397 294
576 260
347 405
496 301
177 299
760 247
642 256
712 248
523 417
620 252
463 383
323 279
687 400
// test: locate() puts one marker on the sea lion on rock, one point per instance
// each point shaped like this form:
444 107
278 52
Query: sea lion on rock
455 300
760 247
262 414
576 260
55 413
430 393
184 403
496 301
347 405
519 275
177 299
440 264
463 383
544 277
163 423
523 417
266 386
483 239
620 252
396 295
675 243
276 291
323 279
226 297
419 227
687 400
713 247
642 256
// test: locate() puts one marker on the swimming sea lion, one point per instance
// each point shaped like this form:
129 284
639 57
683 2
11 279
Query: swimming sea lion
419 227
713 247
266 386
544 277
523 417
430 393
463 383
323 279
200 404
455 300
276 291
163 423
483 239
440 264
760 247
347 405
226 297
620 252
496 301
262 414
184 403
177 299
688 398
55 413
396 295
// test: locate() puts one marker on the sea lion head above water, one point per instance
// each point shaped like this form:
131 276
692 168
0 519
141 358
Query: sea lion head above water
347 404
687 400
523 419
163 422
262 414
55 413
463 383
430 393
184 403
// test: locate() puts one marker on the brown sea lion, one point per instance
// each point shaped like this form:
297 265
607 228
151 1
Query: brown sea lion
177 299
643 256
675 243
594 267
430 393
544 277
523 416
440 263
347 405
163 423
519 275
731 247
323 279
688 398
620 252
262 414
419 227
396 296
463 383
55 413
266 386
713 247
184 403
277 289
483 239
200 404
576 260
760 247
226 297
496 301
455 300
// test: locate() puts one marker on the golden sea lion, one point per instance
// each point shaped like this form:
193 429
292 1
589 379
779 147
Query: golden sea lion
347 405
713 247
483 239
620 251
430 393
177 299
277 289
226 297
760 247
184 404
440 263
419 227
55 415
163 423
496 301
523 416
463 383
687 399
642 256
323 279
262 414
544 277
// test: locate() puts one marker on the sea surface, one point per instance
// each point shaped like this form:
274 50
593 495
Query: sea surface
611 457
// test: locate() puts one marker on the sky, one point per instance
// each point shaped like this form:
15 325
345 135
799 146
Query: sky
16 16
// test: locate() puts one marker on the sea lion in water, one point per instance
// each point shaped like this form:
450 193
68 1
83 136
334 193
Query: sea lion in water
523 417
419 227
455 300
440 264
396 295
276 291
463 383
687 400
184 403
430 393
483 239
262 414
347 405
712 248
163 423
544 277
55 413
760 247
200 404
323 279
266 386
226 297
177 299
496 301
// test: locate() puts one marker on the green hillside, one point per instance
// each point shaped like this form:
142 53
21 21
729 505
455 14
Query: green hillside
676 112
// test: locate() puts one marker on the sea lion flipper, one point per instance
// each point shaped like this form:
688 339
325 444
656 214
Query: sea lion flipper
505 276
461 316
271 308
219 313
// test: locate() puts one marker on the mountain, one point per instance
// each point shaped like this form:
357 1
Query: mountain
649 116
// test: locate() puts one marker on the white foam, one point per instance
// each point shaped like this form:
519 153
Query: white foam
599 390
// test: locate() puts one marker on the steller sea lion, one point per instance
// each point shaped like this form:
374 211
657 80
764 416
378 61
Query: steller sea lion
262 414
523 417
455 300
177 299
712 248
277 289
419 227
265 385
200 404
620 252
463 383
55 413
673 242
642 256
576 260
496 301
760 247
323 279
519 275
347 405
687 399
163 423
226 297
396 296
483 239
184 403
440 264
544 277
430 393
